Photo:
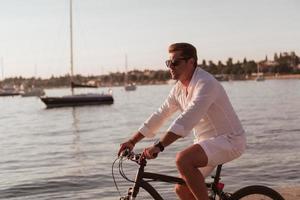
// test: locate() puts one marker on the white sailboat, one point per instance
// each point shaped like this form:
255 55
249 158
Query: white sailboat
33 90
128 85
2 68
77 99
7 89
259 75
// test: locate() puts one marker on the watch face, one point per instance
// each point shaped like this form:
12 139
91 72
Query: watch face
159 145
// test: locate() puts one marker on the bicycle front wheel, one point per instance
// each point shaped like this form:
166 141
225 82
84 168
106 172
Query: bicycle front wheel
256 192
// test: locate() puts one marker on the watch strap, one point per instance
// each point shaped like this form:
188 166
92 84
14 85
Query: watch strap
160 146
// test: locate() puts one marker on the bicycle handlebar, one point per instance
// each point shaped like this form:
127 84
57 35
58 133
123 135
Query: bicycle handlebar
130 155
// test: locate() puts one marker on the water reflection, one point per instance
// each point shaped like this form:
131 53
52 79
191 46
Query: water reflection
76 144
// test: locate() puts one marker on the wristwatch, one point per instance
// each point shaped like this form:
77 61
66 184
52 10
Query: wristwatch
159 145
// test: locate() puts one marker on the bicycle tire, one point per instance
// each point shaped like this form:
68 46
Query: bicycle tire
246 193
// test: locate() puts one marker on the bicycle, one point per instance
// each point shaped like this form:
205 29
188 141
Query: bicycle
215 187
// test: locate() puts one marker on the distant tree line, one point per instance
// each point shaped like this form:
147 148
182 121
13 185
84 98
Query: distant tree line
113 79
284 63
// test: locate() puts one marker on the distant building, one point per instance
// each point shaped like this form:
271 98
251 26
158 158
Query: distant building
286 59
266 64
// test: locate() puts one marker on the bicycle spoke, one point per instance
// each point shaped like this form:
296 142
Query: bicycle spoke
256 197
143 195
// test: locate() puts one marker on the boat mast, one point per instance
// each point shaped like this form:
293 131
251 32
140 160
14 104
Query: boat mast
258 66
35 70
2 68
126 75
71 44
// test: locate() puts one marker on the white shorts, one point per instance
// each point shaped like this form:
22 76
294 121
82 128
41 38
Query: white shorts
222 149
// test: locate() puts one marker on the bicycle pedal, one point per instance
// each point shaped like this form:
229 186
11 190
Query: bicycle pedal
228 194
129 191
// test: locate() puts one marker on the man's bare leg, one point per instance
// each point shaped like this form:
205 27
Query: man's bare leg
188 161
183 192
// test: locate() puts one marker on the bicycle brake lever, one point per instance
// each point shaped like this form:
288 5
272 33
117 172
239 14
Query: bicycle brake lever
125 153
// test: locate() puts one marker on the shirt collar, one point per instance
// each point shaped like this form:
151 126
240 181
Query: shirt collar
192 82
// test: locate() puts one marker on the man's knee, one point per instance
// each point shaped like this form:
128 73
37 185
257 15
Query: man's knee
180 189
193 156
180 160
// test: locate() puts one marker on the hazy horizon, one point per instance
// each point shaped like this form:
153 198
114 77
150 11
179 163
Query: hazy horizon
34 34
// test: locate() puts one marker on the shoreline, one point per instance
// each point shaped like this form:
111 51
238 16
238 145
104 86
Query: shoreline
266 77
281 77
222 78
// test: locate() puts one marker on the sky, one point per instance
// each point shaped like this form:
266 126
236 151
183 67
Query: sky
35 40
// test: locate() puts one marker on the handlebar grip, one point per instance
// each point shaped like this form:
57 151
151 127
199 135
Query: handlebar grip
125 153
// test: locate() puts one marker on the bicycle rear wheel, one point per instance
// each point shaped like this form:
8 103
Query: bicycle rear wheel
256 192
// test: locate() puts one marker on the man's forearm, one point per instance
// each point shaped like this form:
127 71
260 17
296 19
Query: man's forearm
169 138
136 138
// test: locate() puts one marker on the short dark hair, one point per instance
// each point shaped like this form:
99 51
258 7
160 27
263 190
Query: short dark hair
187 50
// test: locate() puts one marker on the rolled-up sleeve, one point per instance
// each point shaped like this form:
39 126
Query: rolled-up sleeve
204 95
156 120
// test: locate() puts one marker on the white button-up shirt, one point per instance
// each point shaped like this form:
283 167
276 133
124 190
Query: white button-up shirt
205 108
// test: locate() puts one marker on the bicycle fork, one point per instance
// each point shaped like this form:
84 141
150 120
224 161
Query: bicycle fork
132 192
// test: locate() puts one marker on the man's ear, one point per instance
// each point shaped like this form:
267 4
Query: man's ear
192 61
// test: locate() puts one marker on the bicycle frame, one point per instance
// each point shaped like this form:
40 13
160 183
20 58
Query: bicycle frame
140 182
142 178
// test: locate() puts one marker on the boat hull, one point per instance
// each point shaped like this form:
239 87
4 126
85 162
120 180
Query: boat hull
130 87
77 100
6 94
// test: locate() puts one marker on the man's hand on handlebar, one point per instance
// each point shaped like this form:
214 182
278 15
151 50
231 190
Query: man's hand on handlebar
126 145
151 152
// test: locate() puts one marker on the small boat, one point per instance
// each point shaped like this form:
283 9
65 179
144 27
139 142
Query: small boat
259 78
259 75
128 85
33 92
9 91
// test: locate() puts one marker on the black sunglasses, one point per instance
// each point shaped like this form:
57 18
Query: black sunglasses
175 62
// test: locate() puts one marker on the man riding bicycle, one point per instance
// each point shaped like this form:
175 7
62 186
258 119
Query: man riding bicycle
205 109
